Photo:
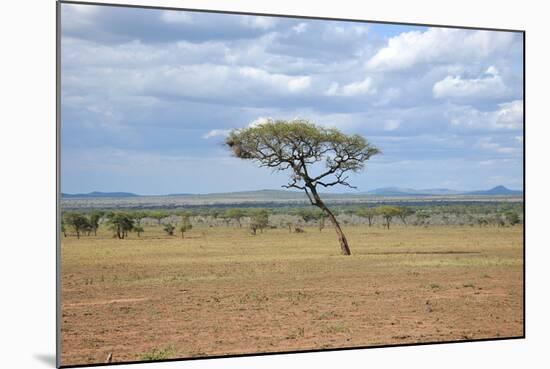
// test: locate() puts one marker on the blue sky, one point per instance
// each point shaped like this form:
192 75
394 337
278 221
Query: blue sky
147 96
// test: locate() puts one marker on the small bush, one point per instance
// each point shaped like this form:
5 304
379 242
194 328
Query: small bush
158 354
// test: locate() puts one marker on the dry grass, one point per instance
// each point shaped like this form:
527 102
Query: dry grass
223 291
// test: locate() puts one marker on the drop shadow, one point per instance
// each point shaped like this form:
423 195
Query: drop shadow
48 359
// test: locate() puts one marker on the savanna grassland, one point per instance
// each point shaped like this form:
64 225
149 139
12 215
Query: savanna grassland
221 290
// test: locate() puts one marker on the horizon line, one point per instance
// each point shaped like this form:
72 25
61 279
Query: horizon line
289 190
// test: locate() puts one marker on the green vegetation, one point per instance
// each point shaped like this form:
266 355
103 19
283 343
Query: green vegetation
169 229
121 222
367 213
94 218
234 214
185 225
138 229
259 220
78 222
388 213
158 354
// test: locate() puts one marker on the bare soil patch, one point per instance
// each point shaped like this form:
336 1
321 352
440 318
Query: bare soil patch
222 291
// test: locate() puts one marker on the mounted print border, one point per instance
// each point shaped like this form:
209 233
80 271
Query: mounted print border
236 184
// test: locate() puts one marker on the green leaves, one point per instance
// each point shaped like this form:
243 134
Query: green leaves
388 211
297 145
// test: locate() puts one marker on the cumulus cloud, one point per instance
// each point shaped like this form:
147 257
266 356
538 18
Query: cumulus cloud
172 87
277 81
352 89
300 27
176 17
488 143
259 121
216 133
488 85
392 124
508 116
437 45
263 23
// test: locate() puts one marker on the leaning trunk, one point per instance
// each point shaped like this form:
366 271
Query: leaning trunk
344 247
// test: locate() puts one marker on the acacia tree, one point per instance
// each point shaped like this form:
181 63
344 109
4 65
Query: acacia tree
138 229
368 213
185 225
312 215
159 215
236 214
388 212
63 229
302 148
121 223
422 218
78 222
95 217
512 217
405 212
138 216
259 219
169 229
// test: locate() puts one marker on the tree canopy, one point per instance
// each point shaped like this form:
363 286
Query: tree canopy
315 156
298 145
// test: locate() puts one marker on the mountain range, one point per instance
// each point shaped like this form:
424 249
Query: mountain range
386 191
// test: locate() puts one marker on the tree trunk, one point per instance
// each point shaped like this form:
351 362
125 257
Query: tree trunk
344 247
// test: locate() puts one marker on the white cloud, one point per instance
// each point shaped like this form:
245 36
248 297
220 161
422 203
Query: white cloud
392 124
438 45
508 116
259 121
216 133
353 89
487 143
300 28
257 22
176 17
497 162
489 85
277 81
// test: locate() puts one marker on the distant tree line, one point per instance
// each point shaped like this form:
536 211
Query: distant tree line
121 223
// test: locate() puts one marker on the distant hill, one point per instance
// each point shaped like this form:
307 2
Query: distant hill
97 194
397 191
275 195
498 190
